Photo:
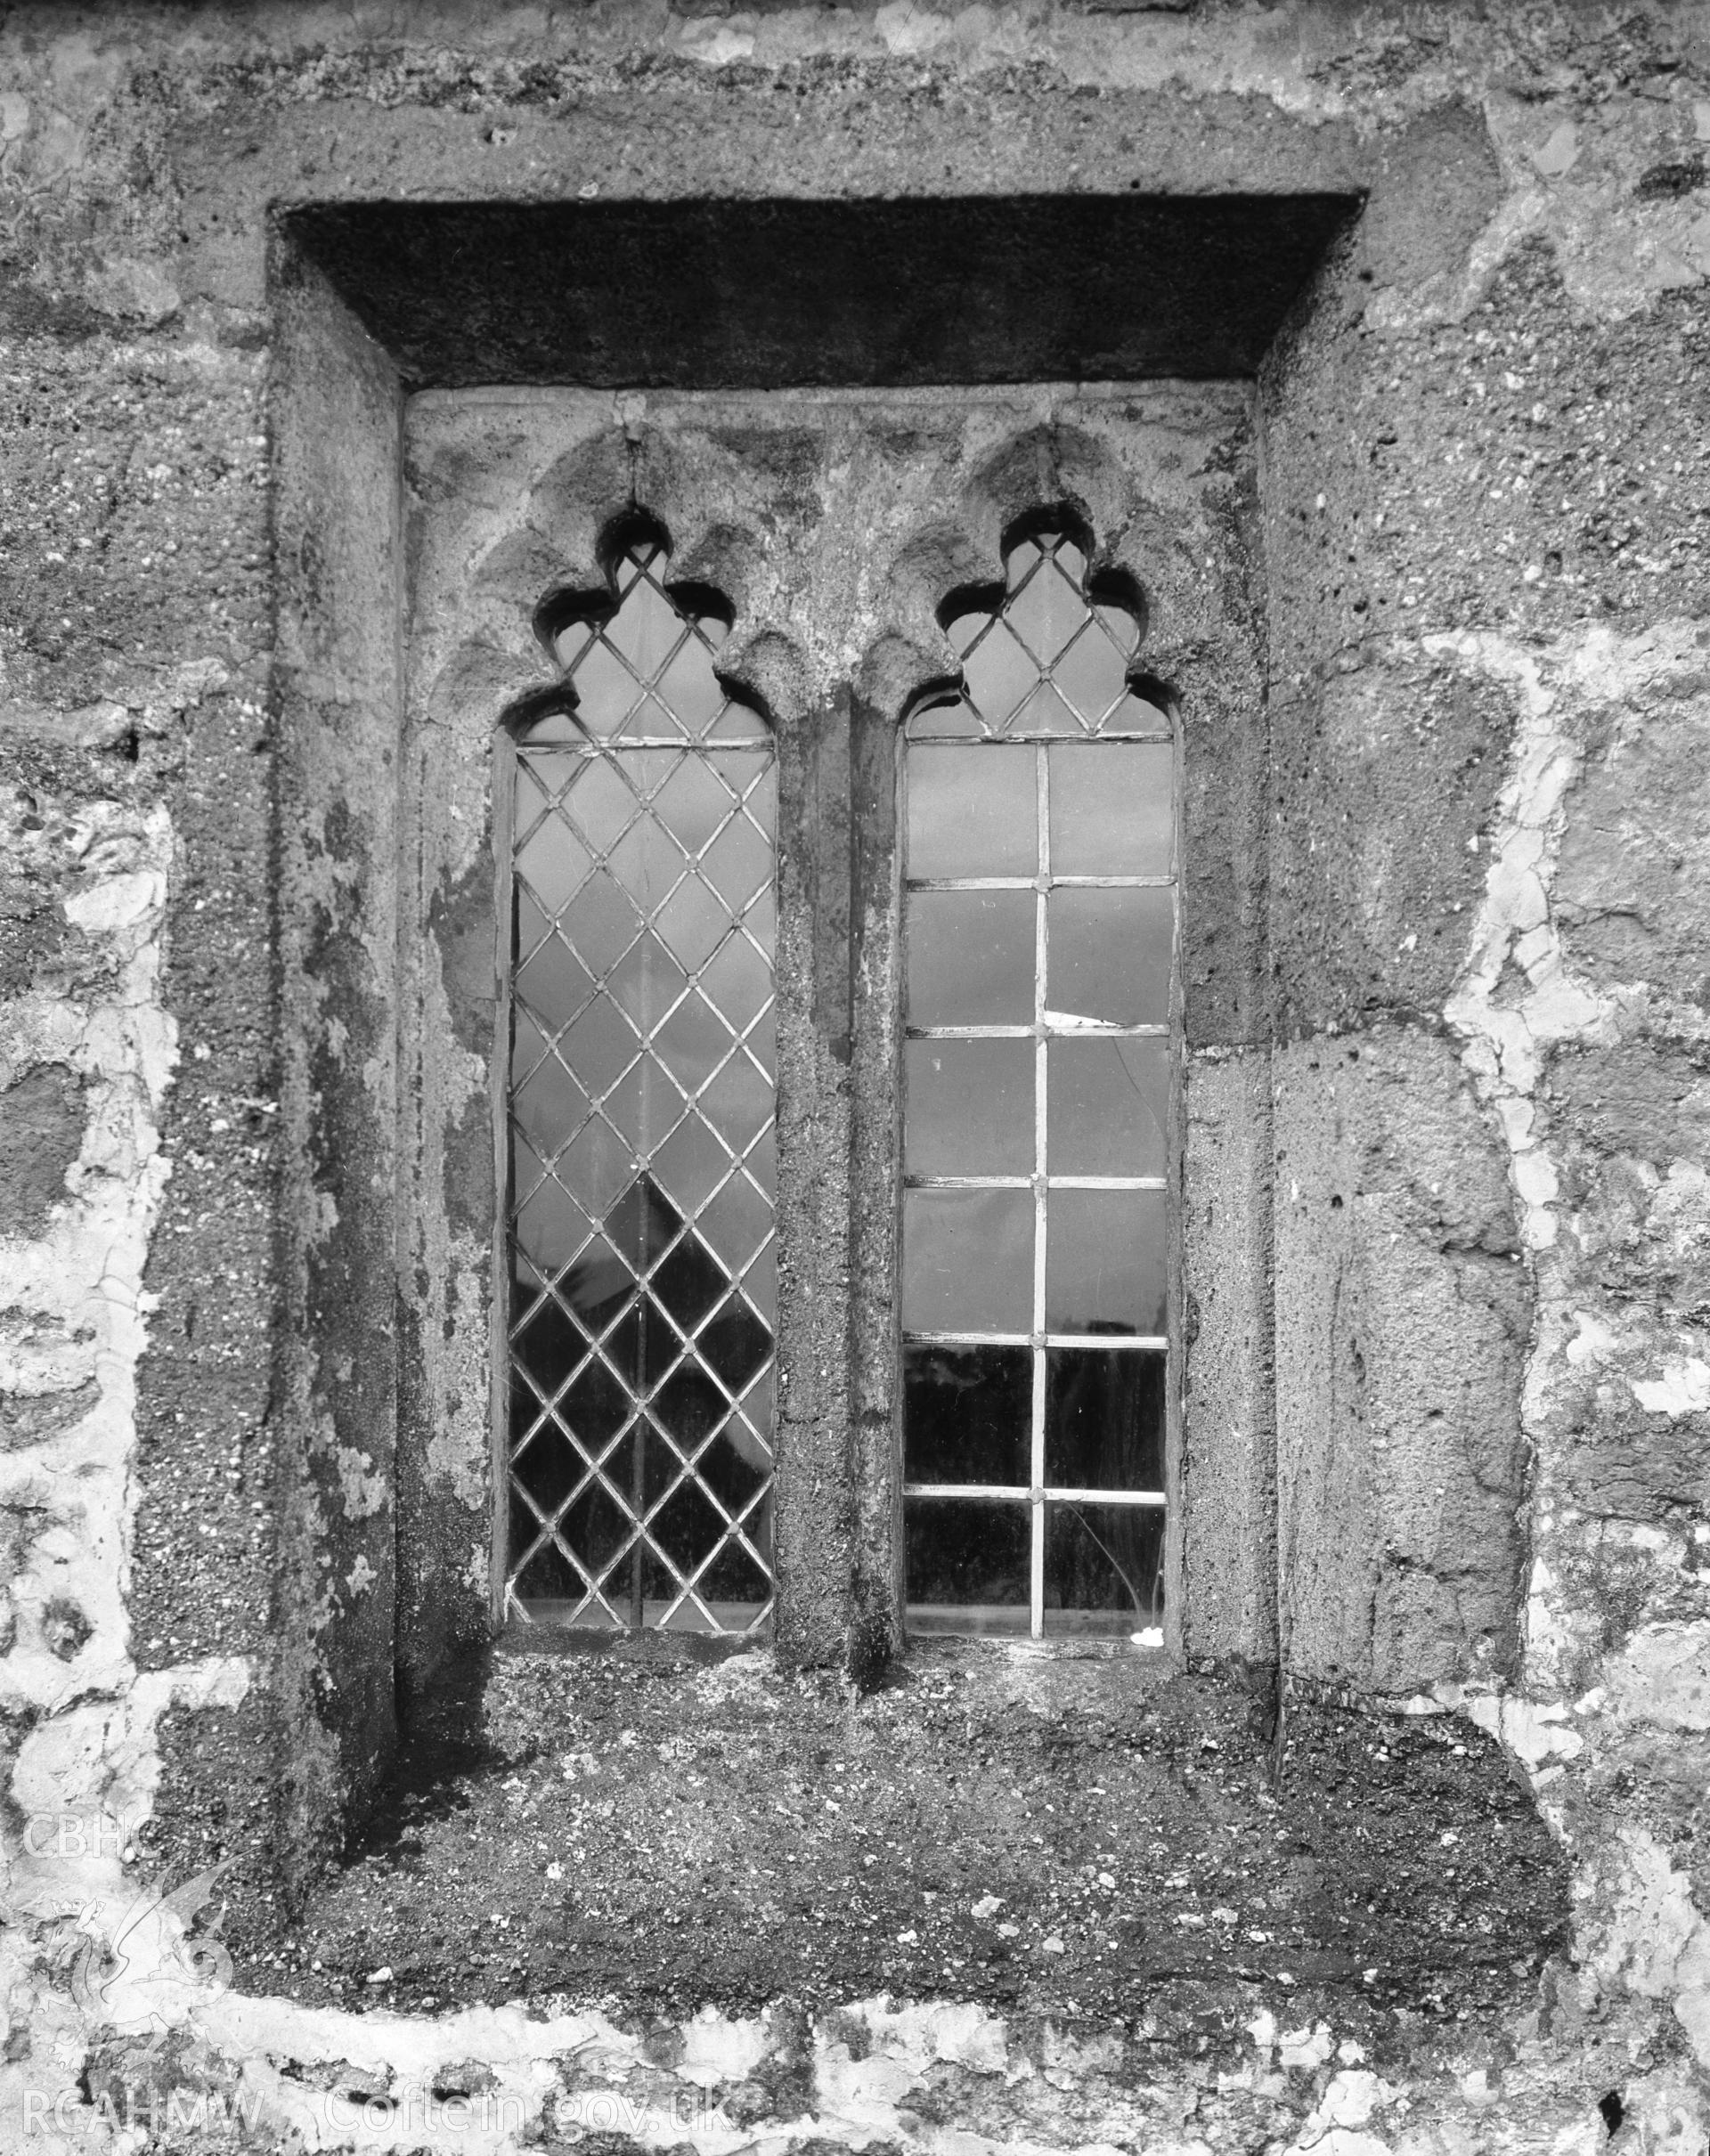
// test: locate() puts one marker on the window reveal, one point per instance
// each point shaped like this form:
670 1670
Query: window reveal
1038 937
640 1098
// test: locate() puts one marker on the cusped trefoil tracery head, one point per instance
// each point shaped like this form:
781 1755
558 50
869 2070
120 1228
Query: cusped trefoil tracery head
637 658
1048 653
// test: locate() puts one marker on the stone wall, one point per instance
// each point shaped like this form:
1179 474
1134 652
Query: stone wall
1465 1450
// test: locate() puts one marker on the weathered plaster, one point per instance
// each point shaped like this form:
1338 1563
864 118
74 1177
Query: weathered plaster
1578 224
1586 699
72 1298
84 1774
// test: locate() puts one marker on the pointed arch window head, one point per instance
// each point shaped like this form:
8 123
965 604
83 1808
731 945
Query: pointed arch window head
639 1053
1049 653
1039 971
639 658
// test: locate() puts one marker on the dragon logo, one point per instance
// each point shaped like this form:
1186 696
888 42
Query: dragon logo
152 1962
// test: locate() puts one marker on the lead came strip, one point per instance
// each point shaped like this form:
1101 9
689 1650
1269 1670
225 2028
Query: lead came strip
1041 1165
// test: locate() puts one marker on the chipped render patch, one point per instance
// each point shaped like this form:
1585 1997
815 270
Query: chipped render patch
1529 1731
1640 1929
1569 183
362 1484
1651 1937
1506 1039
84 1781
1662 1677
575 2073
1506 1044
84 1775
1682 1389
80 1285
1155 47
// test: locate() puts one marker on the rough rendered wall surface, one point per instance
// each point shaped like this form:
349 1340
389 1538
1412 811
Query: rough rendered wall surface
1485 494
1402 1318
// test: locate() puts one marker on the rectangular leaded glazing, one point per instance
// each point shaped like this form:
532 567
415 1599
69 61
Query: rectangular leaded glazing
1039 942
640 1111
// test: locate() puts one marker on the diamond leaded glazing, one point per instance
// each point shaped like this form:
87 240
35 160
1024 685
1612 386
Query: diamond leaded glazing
641 1143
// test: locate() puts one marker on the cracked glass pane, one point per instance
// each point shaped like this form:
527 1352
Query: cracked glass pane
1109 1106
1103 1569
1111 952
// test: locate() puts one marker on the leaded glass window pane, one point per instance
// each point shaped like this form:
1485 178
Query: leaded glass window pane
1039 960
641 1094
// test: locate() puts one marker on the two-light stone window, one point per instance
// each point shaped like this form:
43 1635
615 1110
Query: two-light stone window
1038 937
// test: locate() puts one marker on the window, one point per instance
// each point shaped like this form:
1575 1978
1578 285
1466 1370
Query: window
640 1055
1038 934
1038 938
632 1397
